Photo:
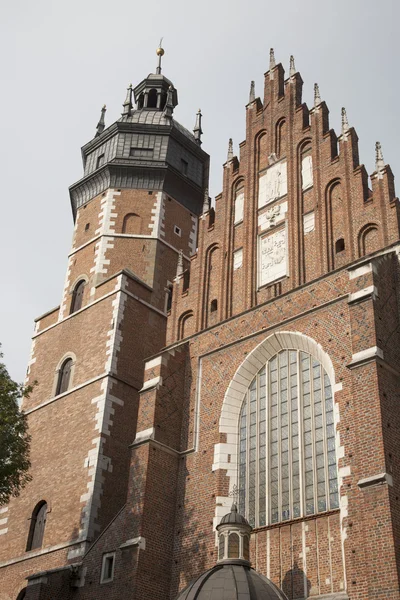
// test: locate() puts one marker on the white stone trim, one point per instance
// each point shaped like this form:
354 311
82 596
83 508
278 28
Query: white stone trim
96 462
193 235
150 383
363 270
63 306
363 355
370 291
140 542
143 436
375 480
155 362
158 217
106 228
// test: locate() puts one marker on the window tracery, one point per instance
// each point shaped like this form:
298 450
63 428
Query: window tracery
287 458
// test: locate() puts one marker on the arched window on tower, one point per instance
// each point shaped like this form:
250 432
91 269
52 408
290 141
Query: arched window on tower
64 376
38 523
152 99
140 101
77 296
287 459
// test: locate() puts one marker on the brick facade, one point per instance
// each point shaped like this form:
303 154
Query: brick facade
139 457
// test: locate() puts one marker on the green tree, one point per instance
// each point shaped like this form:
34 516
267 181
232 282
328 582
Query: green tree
14 437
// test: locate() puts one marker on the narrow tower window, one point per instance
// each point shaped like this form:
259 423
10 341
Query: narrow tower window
107 569
214 305
64 376
233 546
100 161
77 296
36 530
339 245
152 99
184 166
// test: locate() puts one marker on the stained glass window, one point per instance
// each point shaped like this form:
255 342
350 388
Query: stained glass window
287 462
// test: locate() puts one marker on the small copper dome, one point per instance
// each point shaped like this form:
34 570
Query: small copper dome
233 518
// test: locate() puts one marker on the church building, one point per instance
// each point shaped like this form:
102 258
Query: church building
219 386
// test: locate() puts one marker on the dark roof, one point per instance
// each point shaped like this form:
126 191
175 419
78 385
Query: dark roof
234 518
231 582
155 117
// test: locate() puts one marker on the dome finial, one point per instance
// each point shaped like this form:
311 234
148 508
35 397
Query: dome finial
160 53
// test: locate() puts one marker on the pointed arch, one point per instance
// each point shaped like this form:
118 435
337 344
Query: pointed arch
77 295
132 224
37 526
226 453
185 325
368 239
64 375
281 138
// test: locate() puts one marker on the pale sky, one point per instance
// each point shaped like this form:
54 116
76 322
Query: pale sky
63 60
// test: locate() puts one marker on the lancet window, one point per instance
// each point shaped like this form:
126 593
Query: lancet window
287 459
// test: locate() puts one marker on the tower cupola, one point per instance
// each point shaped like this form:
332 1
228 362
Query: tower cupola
234 537
152 92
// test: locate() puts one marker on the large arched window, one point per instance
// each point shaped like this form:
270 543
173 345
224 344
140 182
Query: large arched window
36 530
77 296
64 376
287 459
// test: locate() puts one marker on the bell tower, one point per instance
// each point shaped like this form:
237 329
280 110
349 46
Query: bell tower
135 212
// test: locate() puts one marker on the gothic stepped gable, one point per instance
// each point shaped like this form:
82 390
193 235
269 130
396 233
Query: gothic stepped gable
296 186
243 354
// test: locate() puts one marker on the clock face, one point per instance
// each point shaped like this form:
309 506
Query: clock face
272 184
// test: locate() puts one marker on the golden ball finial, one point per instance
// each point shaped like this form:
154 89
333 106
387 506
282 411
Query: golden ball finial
160 51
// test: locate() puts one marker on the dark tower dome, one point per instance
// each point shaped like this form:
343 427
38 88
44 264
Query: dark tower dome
232 578
231 582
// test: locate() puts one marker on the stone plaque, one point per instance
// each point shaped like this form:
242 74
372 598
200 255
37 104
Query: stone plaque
272 184
272 263
306 172
239 202
237 259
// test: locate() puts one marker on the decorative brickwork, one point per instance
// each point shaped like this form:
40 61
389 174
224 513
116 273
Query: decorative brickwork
138 460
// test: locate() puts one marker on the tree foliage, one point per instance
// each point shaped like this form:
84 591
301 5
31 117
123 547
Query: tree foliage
14 438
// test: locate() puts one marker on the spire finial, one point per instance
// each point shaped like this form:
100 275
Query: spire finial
169 105
317 95
230 150
252 94
345 122
292 69
272 63
197 131
206 203
127 111
101 124
379 162
179 266
160 54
